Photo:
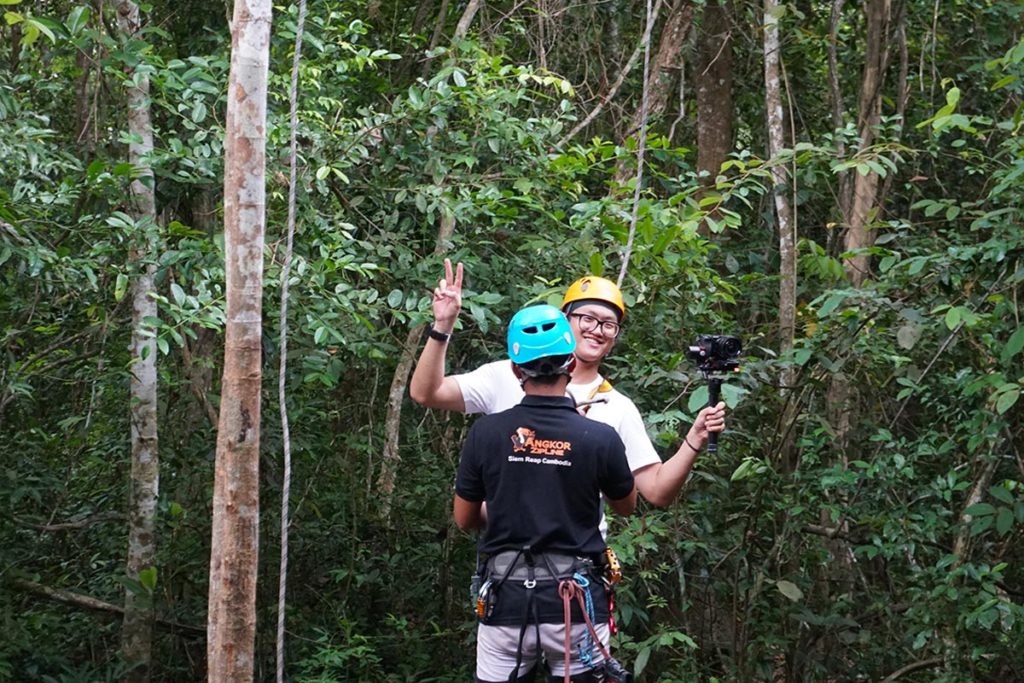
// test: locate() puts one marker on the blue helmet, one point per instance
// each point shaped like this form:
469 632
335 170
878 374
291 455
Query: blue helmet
538 332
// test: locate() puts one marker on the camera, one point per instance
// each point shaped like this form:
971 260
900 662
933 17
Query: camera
615 673
715 353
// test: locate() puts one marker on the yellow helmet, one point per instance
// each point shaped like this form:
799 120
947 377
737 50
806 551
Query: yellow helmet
593 288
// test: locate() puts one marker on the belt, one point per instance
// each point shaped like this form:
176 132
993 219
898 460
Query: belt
516 565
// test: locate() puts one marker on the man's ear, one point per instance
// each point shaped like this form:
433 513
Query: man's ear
518 373
572 364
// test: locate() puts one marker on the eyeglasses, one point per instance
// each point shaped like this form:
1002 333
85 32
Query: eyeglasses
589 323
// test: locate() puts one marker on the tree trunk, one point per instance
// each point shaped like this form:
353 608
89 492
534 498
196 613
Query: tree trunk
838 123
713 83
392 422
865 187
466 20
783 211
670 46
137 627
234 547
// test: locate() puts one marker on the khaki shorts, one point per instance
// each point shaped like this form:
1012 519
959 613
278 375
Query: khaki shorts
496 648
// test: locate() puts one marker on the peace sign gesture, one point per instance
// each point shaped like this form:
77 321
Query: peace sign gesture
447 299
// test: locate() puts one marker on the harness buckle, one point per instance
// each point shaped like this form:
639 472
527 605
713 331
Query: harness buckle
530 583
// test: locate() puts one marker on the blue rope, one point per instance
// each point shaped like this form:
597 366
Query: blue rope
586 647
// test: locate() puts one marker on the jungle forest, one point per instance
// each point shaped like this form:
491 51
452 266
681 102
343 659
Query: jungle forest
220 227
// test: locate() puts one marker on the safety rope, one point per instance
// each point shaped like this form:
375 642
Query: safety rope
567 590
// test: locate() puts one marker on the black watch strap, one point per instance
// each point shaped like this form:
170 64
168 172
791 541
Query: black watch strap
439 336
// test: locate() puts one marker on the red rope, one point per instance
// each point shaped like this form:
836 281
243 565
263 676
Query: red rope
567 590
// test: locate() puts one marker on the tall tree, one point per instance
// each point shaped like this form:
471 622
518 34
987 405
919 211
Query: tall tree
713 84
862 204
136 631
780 185
234 548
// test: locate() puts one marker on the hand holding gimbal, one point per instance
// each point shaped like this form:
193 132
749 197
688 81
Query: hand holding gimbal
715 355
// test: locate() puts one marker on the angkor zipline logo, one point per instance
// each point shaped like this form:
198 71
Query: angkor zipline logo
525 439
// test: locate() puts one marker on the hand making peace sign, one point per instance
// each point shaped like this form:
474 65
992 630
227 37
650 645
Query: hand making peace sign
447 300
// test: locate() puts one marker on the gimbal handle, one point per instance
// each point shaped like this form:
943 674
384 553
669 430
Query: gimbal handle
714 385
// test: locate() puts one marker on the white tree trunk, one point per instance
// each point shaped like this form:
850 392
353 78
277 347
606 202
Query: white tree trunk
234 547
783 210
137 627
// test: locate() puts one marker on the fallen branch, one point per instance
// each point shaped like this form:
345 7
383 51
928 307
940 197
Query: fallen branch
86 602
923 664
83 523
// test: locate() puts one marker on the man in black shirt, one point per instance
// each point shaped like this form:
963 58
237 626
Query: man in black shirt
540 467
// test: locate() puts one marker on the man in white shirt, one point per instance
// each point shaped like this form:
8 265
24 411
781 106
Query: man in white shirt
595 310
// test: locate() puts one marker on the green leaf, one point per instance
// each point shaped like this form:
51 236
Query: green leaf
395 298
459 78
1004 521
980 510
147 577
1007 399
78 18
120 286
9 2
1014 345
641 661
43 28
1001 494
323 172
161 343
596 264
698 399
12 18
790 590
178 293
953 317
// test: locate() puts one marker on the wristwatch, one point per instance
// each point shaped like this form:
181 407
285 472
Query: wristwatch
439 336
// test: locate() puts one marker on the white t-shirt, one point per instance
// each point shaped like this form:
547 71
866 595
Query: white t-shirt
493 387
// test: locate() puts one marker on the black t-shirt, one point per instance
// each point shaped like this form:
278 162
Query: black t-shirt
541 466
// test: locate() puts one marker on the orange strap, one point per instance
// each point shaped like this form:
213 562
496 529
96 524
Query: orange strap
604 387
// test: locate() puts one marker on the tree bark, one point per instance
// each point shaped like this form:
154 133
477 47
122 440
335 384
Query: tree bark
137 628
392 422
713 83
234 547
659 85
466 20
865 187
783 210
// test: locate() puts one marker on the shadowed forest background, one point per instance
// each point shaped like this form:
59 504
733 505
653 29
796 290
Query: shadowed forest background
839 183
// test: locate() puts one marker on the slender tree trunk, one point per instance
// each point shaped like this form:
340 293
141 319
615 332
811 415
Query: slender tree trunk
838 123
659 84
282 374
665 67
435 38
392 422
713 83
783 210
234 547
865 187
137 628
466 20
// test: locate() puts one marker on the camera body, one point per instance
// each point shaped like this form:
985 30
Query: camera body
614 672
715 353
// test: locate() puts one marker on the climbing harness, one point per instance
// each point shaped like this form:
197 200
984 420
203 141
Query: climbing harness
535 571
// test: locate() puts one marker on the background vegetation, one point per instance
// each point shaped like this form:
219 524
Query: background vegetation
863 517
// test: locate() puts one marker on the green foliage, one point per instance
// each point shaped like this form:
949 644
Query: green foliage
889 540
